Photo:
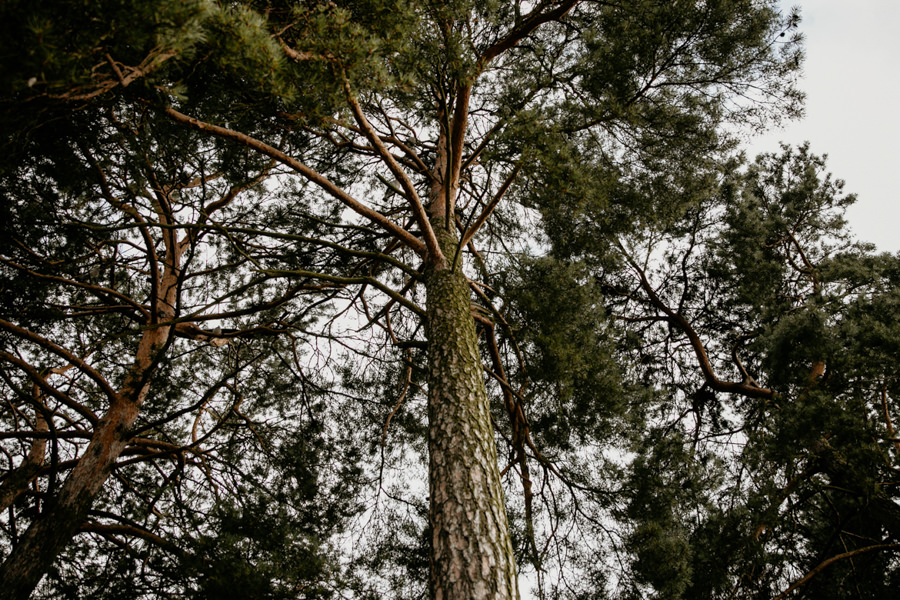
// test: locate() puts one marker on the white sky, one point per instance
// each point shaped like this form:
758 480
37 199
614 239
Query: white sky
852 81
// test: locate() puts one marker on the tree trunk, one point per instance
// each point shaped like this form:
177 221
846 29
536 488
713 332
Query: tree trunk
17 481
54 528
471 554
49 534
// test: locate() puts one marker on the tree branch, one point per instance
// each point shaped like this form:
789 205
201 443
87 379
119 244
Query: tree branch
473 229
317 178
82 366
130 530
677 319
415 202
532 21
350 281
826 563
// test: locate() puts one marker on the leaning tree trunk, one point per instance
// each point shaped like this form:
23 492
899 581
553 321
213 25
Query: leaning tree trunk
17 481
42 542
48 534
471 555
52 530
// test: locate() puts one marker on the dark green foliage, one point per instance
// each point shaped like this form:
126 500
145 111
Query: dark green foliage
54 48
796 481
281 450
557 316
662 484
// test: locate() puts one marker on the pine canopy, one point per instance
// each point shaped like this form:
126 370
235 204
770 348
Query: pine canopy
464 299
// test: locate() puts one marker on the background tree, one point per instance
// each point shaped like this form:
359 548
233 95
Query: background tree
771 464
137 371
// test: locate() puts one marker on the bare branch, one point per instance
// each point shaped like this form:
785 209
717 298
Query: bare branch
826 563
313 176
532 21
130 530
473 229
745 388
415 202
85 368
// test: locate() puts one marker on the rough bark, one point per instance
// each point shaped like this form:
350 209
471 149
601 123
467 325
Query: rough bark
17 481
471 555
48 534
54 528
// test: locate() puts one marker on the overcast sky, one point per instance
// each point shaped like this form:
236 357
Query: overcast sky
852 81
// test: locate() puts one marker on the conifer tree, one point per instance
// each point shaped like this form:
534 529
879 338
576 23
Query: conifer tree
770 467
133 333
419 154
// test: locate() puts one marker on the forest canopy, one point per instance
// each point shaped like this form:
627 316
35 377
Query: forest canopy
464 299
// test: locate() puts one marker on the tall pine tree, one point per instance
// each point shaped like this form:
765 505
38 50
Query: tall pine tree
415 150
